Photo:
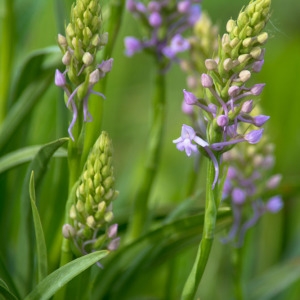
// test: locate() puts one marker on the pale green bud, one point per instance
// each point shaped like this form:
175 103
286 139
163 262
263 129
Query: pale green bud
90 221
244 58
73 212
262 38
245 75
70 31
243 19
211 64
80 206
62 41
230 25
87 58
108 217
66 59
256 52
68 231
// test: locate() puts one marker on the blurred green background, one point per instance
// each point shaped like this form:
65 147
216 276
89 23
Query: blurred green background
127 116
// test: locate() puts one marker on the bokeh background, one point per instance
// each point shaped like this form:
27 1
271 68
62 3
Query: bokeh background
127 119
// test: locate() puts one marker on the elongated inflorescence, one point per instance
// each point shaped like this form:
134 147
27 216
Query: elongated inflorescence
228 99
250 187
164 22
82 41
91 213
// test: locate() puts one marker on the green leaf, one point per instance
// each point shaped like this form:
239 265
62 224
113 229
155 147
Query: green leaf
53 282
30 88
151 249
24 155
5 292
39 164
42 264
274 281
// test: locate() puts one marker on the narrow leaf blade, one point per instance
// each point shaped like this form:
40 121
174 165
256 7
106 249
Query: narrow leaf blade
42 264
53 282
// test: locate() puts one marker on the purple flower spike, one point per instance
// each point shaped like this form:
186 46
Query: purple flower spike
132 45
184 142
189 98
254 136
275 204
260 120
155 19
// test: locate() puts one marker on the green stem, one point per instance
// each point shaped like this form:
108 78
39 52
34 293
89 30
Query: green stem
6 55
237 276
211 208
140 207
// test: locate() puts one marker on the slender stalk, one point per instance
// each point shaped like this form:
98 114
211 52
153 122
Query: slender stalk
237 276
6 54
140 206
211 208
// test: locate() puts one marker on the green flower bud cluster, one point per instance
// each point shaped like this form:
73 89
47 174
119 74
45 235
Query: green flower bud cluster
91 213
203 44
79 47
82 41
241 46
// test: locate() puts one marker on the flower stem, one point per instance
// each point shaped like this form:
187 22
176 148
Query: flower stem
237 276
140 207
211 208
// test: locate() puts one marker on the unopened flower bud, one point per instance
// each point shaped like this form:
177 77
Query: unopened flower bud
262 38
87 58
254 136
222 120
247 106
274 181
59 79
66 59
260 120
230 25
189 98
245 75
94 77
257 65
114 244
233 91
257 89
206 81
68 231
211 64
